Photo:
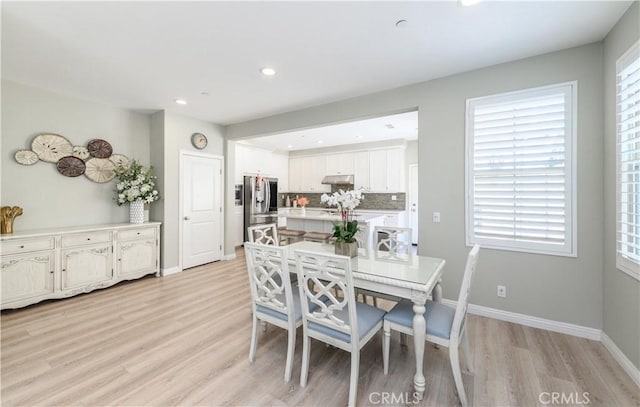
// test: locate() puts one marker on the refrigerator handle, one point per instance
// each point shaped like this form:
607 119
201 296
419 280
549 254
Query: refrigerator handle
267 196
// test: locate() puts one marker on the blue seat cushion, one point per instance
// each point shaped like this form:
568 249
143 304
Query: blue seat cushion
368 317
439 317
297 310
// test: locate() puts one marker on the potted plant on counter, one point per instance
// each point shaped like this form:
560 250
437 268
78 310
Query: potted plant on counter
346 229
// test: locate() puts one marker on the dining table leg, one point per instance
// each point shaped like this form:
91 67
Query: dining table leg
419 332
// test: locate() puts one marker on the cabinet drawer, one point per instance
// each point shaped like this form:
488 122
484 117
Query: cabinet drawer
26 245
139 233
79 239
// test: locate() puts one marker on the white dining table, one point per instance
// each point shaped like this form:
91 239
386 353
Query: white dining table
402 275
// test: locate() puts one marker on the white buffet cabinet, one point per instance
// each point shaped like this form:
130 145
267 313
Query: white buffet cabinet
58 263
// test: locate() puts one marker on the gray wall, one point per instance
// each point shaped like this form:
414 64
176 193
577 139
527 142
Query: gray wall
48 198
558 288
621 291
174 133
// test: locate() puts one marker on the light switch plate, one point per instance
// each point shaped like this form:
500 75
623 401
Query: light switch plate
436 217
394 197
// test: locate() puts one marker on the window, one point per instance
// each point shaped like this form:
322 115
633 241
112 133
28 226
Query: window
520 170
628 162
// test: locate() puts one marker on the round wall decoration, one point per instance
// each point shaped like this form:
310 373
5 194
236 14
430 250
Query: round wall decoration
51 147
71 166
26 157
81 152
119 160
99 170
99 148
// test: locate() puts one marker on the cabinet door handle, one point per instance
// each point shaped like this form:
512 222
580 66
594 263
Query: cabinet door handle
64 269
51 272
22 246
138 233
88 238
186 218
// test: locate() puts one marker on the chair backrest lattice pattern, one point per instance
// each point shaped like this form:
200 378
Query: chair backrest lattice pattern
269 277
397 239
463 299
264 234
319 275
362 236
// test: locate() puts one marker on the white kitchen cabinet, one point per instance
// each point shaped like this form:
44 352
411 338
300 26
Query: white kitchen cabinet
254 160
47 264
361 170
378 171
386 170
296 174
317 173
341 164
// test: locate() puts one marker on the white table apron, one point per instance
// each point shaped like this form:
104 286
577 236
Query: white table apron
428 270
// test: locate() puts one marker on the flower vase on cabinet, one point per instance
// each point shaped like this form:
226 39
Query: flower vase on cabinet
136 211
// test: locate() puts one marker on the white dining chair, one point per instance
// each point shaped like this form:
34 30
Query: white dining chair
390 244
445 326
338 321
392 239
266 234
273 300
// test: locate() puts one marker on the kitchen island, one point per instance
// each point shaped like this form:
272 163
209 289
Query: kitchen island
319 220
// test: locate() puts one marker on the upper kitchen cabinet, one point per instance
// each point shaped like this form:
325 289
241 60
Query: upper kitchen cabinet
386 170
254 160
341 164
361 170
306 173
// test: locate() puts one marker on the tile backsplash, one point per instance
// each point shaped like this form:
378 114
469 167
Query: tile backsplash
371 200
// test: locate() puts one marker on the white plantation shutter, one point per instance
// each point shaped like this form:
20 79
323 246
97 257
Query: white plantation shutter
628 161
520 170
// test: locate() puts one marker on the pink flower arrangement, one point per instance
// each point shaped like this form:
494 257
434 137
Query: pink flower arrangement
302 201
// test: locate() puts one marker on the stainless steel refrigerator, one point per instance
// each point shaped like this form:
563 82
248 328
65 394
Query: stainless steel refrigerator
260 201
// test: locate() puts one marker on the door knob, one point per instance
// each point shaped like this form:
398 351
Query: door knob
186 218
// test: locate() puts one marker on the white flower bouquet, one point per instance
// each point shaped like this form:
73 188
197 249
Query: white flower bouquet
346 202
135 182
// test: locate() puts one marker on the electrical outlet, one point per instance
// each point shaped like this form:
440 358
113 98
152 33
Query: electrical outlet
436 217
502 291
394 197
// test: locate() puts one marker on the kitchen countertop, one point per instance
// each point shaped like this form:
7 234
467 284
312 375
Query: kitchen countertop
389 211
329 217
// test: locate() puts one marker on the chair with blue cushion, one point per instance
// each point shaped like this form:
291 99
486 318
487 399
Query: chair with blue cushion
445 326
273 300
338 321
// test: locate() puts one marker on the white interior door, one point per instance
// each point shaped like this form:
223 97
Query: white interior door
413 202
202 227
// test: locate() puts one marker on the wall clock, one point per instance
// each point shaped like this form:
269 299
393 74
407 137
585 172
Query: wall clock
199 140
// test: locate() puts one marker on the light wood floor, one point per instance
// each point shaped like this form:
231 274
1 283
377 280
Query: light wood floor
184 340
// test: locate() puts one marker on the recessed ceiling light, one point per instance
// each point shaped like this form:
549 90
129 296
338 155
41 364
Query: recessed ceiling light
359 136
181 101
204 93
468 3
267 71
289 146
319 141
390 126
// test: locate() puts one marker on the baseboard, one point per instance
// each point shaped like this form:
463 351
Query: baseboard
534 322
621 358
169 271
229 257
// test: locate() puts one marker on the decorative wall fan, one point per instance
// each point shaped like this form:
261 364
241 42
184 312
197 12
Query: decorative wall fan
71 166
99 170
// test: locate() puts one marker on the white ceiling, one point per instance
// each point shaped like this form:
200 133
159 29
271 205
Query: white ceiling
143 55
402 126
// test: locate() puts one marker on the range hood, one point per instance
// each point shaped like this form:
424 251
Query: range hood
338 179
